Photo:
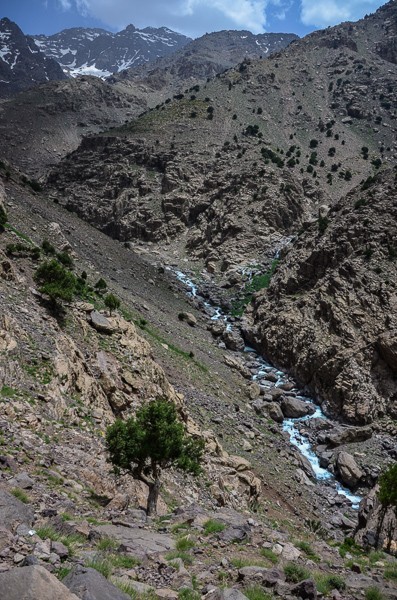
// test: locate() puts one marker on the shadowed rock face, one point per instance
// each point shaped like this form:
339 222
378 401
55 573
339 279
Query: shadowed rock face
329 313
22 64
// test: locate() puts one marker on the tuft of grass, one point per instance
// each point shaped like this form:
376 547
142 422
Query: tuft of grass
123 561
101 565
295 573
373 593
256 592
188 594
186 558
391 572
270 555
70 541
62 572
107 543
211 526
308 550
21 495
8 392
326 582
349 546
240 563
374 556
184 544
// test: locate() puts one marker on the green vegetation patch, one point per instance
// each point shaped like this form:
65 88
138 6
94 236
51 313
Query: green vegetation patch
258 282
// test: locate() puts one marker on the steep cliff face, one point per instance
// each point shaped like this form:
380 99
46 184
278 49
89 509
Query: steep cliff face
329 314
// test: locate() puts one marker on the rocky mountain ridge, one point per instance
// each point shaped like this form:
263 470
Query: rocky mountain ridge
201 59
98 52
22 64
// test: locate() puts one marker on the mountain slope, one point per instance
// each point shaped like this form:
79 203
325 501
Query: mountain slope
251 153
98 52
22 64
64 112
201 59
329 312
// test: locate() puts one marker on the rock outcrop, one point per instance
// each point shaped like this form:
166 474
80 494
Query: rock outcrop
329 312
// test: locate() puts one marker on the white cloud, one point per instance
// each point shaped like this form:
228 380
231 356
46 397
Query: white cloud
193 17
65 4
322 13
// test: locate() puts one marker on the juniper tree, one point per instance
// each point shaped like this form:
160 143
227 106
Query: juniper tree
152 441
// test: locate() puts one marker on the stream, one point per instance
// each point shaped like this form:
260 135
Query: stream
291 426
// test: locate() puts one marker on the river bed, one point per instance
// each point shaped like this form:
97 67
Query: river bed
291 426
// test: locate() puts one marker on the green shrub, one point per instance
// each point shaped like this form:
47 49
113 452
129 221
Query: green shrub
111 302
101 284
373 593
101 565
3 218
256 592
55 281
307 549
391 572
211 526
47 247
65 259
270 555
326 582
107 543
295 573
184 543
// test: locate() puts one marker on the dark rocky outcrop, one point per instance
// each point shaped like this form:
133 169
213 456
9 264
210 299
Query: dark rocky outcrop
328 314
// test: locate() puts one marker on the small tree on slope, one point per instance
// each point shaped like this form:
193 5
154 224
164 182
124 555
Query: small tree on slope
150 442
387 495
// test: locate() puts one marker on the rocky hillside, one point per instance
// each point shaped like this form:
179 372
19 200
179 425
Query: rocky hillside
97 52
22 64
201 59
328 314
64 514
249 154
64 112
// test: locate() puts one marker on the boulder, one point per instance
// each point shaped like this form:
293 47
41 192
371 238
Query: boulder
274 411
101 323
188 318
35 583
254 390
349 471
305 589
88 584
138 542
227 594
293 408
233 341
13 512
347 435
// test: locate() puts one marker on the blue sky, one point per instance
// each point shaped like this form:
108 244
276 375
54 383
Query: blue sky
192 17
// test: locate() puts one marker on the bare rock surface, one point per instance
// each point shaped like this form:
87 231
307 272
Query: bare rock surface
13 512
33 583
88 584
136 541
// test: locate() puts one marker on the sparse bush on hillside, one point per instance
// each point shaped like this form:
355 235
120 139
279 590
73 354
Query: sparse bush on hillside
111 302
101 285
47 247
3 218
313 143
58 283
